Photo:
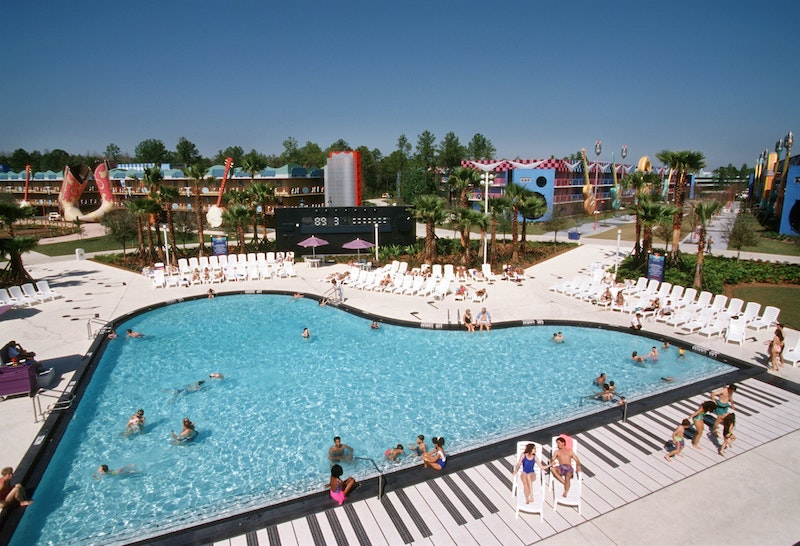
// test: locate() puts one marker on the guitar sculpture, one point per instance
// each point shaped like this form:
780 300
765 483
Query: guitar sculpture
75 179
214 214
588 189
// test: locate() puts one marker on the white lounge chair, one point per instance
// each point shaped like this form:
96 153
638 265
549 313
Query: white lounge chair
419 283
563 285
703 301
734 308
716 327
767 319
288 266
479 296
159 280
686 299
663 291
574 495
43 288
442 290
737 331
486 269
793 354
7 299
17 293
437 272
718 305
679 317
675 294
430 286
408 282
751 311
641 284
518 490
701 319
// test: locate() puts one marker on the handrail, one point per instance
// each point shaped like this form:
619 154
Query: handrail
59 405
94 321
380 475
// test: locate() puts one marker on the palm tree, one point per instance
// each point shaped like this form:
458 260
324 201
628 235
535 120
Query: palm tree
152 179
650 213
138 207
264 195
497 207
12 247
463 220
482 222
431 210
640 183
684 162
703 211
533 207
516 195
461 181
237 217
196 174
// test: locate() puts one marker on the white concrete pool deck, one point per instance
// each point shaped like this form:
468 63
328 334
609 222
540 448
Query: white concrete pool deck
750 495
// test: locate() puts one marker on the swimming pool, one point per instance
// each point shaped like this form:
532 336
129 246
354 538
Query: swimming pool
265 429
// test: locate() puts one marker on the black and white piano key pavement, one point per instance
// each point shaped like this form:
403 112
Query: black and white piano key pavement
622 462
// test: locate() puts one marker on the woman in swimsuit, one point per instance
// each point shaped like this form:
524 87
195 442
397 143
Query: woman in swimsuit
697 420
435 459
340 489
529 461
468 321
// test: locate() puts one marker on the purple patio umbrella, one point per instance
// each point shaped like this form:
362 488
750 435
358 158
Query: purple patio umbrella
358 245
313 242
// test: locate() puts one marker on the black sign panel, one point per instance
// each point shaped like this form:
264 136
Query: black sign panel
340 225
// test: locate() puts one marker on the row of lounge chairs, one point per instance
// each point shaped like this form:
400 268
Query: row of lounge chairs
223 268
679 307
27 294
437 281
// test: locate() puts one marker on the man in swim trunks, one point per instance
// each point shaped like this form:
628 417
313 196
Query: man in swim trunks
484 320
9 494
724 399
419 448
561 464
601 379
340 451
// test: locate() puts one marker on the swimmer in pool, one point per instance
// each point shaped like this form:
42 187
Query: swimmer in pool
131 333
216 375
188 433
135 423
306 333
103 470
636 358
419 448
392 453
558 337
340 451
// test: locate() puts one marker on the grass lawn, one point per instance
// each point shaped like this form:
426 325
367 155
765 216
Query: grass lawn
767 245
785 298
94 244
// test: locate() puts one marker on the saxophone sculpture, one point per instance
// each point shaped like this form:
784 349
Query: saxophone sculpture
588 189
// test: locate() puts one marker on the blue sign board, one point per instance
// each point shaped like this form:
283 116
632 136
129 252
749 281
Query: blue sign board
655 267
219 245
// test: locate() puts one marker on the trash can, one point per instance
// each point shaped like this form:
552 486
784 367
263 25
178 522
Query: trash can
80 254
574 235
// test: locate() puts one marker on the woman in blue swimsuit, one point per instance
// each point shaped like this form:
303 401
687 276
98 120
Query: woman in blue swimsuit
528 461
436 459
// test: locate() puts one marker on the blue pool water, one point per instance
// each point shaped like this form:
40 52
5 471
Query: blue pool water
265 429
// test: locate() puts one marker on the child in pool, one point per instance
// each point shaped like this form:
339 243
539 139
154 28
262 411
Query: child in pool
393 452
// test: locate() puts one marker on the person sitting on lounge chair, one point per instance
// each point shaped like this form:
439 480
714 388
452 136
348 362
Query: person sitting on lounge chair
13 353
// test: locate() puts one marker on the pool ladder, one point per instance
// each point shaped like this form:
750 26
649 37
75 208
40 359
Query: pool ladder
62 402
380 474
96 326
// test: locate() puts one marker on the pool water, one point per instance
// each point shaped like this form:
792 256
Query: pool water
264 430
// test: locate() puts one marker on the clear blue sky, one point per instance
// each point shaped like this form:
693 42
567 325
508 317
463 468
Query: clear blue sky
536 78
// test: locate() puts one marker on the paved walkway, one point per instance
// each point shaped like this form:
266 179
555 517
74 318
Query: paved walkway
747 495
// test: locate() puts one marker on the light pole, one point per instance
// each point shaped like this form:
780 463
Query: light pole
376 243
166 247
616 257
486 178
598 147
